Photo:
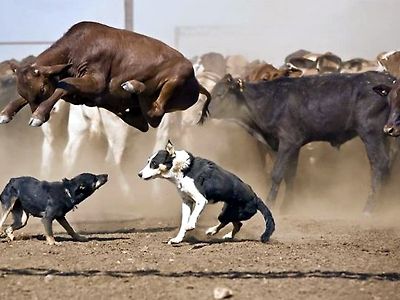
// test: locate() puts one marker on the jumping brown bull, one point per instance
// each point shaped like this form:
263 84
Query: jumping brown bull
134 76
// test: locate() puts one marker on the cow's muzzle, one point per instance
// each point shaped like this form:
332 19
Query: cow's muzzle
391 130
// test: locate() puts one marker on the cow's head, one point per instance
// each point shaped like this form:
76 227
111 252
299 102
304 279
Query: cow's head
392 126
37 83
227 96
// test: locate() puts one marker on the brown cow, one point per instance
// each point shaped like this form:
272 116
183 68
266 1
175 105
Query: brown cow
264 71
134 76
390 61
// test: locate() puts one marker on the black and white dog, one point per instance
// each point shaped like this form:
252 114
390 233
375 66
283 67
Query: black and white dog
200 181
24 196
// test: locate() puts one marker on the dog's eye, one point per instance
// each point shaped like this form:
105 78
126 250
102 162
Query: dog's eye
153 165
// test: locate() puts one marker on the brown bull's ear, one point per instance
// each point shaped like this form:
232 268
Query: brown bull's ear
170 148
52 70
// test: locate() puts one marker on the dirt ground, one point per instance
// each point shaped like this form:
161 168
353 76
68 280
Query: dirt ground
307 258
324 249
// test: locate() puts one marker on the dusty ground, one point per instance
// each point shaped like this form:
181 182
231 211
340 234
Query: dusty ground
307 258
324 250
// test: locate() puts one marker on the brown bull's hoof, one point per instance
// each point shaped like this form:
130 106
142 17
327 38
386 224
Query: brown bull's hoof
133 87
5 119
35 122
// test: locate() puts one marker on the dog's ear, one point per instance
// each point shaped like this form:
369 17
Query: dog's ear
170 148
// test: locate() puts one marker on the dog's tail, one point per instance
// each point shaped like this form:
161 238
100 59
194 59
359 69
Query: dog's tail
269 220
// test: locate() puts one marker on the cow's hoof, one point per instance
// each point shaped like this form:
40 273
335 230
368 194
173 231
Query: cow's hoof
34 122
4 119
133 87
127 86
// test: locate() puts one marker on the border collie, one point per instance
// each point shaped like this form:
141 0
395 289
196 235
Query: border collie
200 181
24 196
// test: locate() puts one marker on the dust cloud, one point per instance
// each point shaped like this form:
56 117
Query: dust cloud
330 183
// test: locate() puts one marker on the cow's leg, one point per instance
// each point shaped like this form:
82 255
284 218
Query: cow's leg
116 133
158 107
289 178
286 154
88 84
11 109
78 128
163 132
378 152
47 149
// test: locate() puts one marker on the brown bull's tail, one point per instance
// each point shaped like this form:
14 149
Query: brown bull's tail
204 112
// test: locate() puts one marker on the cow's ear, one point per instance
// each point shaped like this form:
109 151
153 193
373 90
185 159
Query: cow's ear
13 66
170 148
53 70
382 90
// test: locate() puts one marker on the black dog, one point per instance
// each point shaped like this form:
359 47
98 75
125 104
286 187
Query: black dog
200 181
24 196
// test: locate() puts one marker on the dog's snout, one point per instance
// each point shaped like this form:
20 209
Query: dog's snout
103 177
140 174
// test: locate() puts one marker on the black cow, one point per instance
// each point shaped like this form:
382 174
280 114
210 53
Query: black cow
288 113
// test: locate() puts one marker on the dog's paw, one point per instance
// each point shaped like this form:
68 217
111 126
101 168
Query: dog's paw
211 231
228 236
9 233
52 242
80 238
190 226
175 240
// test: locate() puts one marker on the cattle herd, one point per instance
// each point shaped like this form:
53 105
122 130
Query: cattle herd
128 81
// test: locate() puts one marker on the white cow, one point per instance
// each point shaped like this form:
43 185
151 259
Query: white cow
83 122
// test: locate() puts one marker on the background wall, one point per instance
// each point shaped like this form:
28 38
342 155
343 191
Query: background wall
258 29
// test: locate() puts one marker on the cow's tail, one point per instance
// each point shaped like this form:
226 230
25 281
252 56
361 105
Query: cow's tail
204 112
269 220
